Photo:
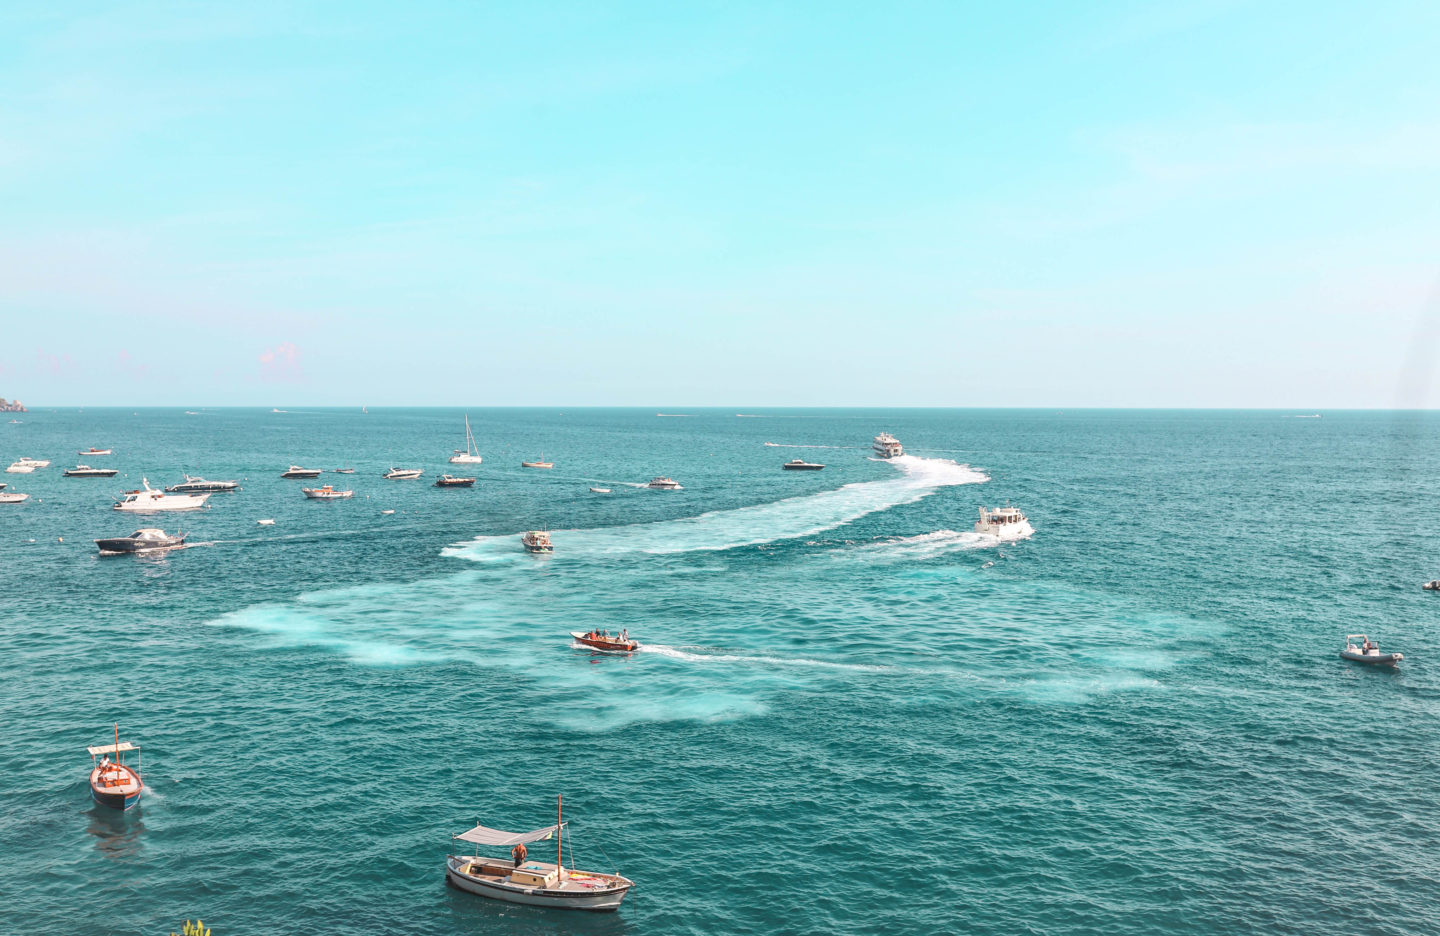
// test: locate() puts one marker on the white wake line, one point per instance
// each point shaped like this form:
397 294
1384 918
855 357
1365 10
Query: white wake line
790 445
677 654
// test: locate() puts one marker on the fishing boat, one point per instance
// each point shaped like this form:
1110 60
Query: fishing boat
1366 651
149 500
403 474
295 471
471 453
537 541
446 480
92 450
1432 585
114 783
542 463
800 464
12 497
887 446
599 490
1005 522
518 879
145 540
85 471
665 484
604 640
327 492
201 486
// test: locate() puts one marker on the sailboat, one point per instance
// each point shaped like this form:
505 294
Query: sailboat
471 454
537 883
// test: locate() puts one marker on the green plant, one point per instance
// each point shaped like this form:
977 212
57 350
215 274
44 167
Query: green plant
193 929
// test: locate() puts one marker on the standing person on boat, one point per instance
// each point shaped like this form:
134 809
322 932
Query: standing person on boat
518 853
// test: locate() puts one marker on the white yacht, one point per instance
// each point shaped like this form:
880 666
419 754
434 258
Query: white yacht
27 465
471 453
327 492
201 486
665 484
1004 522
403 474
12 497
295 471
149 499
85 471
887 446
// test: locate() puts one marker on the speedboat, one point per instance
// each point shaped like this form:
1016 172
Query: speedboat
887 446
295 471
800 464
665 484
114 783
599 490
518 879
403 474
12 497
23 466
1004 522
1367 651
446 480
149 499
92 450
327 492
470 455
537 541
200 486
140 541
604 640
85 471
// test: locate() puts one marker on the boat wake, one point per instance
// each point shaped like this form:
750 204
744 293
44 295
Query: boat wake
745 526
700 655
790 445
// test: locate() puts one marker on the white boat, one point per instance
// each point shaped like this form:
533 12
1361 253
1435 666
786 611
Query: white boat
148 500
518 879
12 497
665 484
26 465
1367 651
295 471
599 490
327 492
403 474
537 541
1005 522
266 522
887 446
471 453
85 471
200 486
92 450
541 463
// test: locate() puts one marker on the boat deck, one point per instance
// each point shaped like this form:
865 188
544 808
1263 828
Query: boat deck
500 871
115 780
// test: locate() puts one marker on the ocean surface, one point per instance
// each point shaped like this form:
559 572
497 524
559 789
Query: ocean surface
850 713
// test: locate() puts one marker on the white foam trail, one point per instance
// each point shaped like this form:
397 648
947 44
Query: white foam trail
677 654
746 526
939 542
788 445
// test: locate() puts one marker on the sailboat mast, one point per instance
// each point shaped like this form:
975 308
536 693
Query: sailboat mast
117 743
559 835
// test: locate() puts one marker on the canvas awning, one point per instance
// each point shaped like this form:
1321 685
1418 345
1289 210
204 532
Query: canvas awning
481 835
111 748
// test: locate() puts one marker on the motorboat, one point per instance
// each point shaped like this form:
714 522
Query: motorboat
327 492
665 484
295 471
12 497
201 486
386 513
542 463
148 499
92 450
1367 651
446 480
403 474
34 462
887 446
1005 522
114 783
604 640
85 471
537 541
140 541
266 522
21 467
800 464
470 455
1432 585
599 490
342 470
518 879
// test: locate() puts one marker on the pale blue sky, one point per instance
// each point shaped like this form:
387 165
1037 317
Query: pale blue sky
1123 204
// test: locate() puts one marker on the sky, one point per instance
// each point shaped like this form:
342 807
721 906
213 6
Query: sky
1189 204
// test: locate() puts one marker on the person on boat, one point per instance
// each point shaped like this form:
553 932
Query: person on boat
625 635
518 853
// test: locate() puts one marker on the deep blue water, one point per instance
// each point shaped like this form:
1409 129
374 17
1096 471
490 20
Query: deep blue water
851 714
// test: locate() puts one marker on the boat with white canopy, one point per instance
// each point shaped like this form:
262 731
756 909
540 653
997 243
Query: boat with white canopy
114 783
518 879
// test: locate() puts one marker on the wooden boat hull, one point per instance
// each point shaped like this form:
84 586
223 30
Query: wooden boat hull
805 467
613 646
594 899
121 796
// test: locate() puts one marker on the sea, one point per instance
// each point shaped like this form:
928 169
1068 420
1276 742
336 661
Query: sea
849 712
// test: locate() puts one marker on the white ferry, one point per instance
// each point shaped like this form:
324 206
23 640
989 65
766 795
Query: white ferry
1004 522
887 446
149 499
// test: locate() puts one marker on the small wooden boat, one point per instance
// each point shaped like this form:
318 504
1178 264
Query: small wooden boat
537 541
518 879
1367 652
96 451
604 640
327 492
114 783
542 463
446 480
800 464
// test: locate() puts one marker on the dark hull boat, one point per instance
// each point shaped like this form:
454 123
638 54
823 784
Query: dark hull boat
295 471
452 481
140 541
800 465
201 486
85 471
114 783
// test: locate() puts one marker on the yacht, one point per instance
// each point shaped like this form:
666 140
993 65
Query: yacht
85 471
149 499
800 464
470 455
327 492
446 480
295 471
27 465
665 484
140 541
201 486
403 474
92 450
1005 522
537 541
12 497
887 446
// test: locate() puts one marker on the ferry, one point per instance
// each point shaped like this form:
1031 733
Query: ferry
1005 522
887 446
295 471
114 783
800 464
665 484
85 471
149 499
139 541
201 486
537 541
327 492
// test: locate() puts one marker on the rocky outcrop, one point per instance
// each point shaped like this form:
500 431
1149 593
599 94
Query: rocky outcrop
7 407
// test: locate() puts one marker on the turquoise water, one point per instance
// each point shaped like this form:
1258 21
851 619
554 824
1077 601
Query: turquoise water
850 715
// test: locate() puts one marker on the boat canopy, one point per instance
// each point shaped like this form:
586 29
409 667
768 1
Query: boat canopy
99 749
481 835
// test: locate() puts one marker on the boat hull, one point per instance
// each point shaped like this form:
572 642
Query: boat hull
595 900
127 544
1376 659
465 459
121 796
805 467
613 646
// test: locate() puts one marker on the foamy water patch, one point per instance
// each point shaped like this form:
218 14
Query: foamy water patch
703 655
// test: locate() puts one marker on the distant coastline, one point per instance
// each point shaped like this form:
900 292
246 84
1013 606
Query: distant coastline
8 407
